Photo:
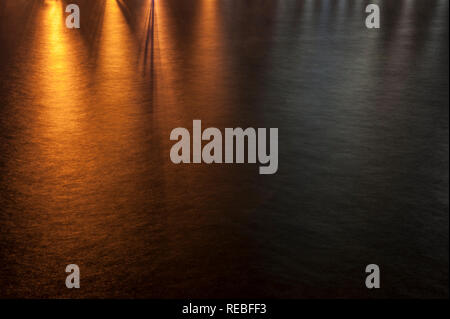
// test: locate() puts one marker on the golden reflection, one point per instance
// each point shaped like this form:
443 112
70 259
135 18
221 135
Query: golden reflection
85 138
201 71
117 47
51 164
117 80
59 74
210 60
57 48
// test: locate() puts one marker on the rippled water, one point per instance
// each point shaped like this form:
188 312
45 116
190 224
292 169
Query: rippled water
86 178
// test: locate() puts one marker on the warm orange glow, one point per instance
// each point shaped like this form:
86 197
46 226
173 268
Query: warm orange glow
59 72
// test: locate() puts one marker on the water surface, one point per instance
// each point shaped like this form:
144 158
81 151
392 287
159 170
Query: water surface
86 178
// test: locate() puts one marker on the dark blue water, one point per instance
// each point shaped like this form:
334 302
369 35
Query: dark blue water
86 178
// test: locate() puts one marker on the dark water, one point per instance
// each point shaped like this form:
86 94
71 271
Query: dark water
86 178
